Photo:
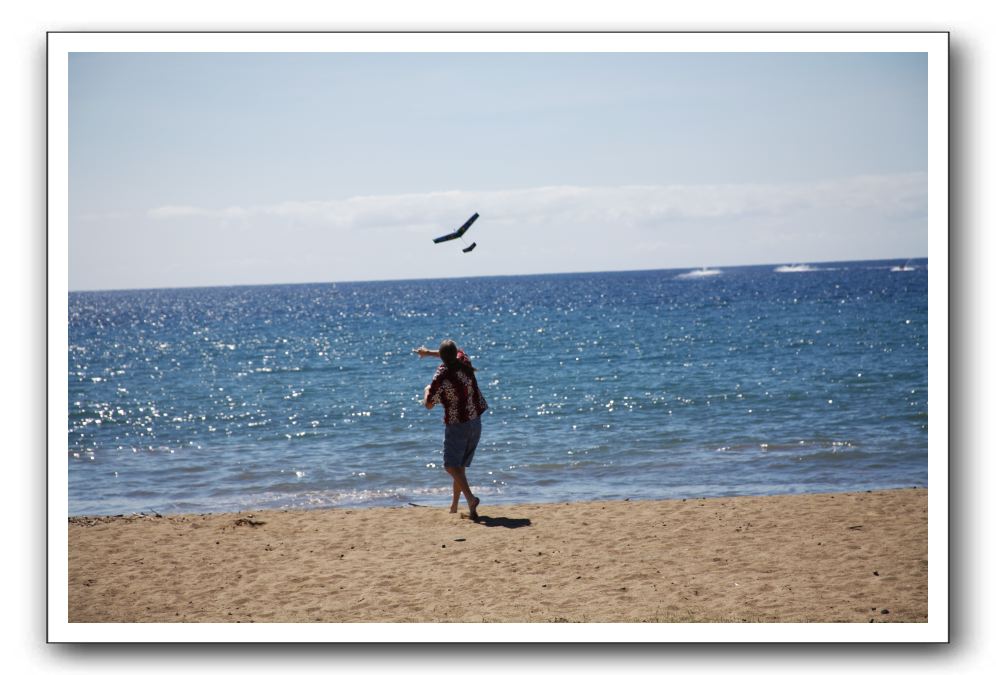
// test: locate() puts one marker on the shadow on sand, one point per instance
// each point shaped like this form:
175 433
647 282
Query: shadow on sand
510 523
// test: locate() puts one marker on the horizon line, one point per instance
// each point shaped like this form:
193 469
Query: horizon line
491 276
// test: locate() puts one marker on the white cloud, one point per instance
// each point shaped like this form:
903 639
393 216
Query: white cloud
883 196
557 228
163 212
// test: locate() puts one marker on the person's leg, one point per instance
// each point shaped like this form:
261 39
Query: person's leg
456 496
458 451
460 478
452 444
472 501
473 432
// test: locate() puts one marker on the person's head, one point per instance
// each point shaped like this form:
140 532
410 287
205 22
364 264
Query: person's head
448 352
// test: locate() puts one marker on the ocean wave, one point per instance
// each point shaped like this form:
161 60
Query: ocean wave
700 273
798 267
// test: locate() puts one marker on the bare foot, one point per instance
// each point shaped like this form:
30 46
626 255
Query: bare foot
453 509
473 508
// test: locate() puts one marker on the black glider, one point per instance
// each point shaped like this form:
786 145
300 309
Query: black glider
470 248
458 233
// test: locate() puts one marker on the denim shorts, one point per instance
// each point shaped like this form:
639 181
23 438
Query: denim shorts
460 442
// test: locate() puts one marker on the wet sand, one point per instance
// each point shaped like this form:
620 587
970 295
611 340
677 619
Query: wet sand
846 557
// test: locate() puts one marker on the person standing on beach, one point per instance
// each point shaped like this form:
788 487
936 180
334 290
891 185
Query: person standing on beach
455 386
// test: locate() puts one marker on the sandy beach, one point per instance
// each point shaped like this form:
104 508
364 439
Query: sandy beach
847 557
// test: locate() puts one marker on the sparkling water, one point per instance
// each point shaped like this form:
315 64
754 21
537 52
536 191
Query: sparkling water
653 384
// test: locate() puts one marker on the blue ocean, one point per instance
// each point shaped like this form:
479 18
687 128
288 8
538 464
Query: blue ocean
652 384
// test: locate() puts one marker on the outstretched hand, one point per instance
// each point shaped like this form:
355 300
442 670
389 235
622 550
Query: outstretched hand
423 351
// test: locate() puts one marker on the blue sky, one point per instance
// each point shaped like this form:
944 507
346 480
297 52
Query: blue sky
193 169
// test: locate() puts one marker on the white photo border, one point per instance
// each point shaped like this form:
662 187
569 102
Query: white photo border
934 44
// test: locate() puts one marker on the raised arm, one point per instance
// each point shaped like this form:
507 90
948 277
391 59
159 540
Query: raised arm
423 352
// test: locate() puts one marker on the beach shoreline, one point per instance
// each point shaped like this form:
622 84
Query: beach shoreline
835 557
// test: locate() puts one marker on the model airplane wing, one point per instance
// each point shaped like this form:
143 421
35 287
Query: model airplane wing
458 233
470 248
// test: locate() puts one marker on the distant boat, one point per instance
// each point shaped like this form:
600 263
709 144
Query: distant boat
905 267
797 267
701 272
